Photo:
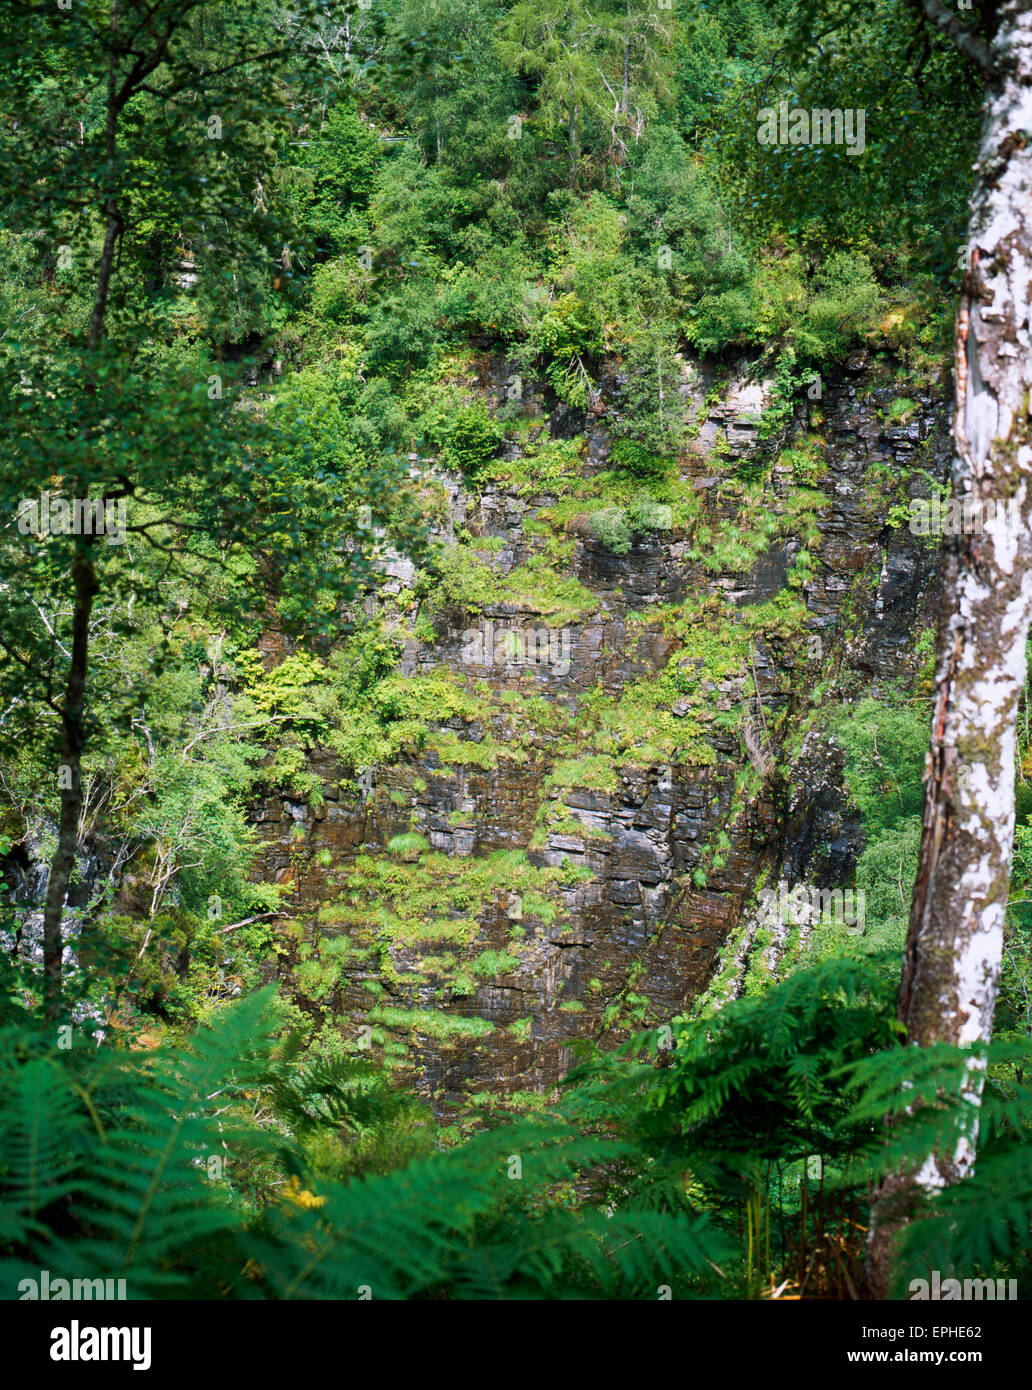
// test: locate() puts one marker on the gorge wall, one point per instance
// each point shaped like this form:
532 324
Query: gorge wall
576 846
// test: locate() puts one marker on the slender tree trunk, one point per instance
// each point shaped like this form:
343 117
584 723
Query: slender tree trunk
626 63
574 142
84 590
952 958
73 727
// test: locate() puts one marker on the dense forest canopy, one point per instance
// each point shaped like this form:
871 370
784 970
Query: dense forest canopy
346 349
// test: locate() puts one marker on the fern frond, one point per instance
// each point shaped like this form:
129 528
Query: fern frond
42 1131
150 1198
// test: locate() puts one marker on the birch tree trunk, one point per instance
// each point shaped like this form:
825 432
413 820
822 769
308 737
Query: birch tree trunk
952 957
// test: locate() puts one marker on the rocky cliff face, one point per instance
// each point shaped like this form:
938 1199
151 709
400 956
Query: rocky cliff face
594 824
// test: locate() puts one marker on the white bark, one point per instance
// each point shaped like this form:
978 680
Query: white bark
954 948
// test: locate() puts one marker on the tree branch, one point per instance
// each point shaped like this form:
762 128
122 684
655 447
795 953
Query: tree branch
956 31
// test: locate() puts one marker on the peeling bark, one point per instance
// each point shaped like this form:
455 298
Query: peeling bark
953 951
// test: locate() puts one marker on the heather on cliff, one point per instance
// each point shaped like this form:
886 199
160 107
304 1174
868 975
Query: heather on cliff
458 829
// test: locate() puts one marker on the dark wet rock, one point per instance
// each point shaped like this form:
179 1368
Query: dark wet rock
658 910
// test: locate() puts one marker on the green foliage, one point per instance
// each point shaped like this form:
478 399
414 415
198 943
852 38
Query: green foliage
843 305
569 331
472 439
406 845
135 1136
610 528
618 527
491 963
634 458
674 207
336 178
885 745
166 1180
299 306
754 1100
